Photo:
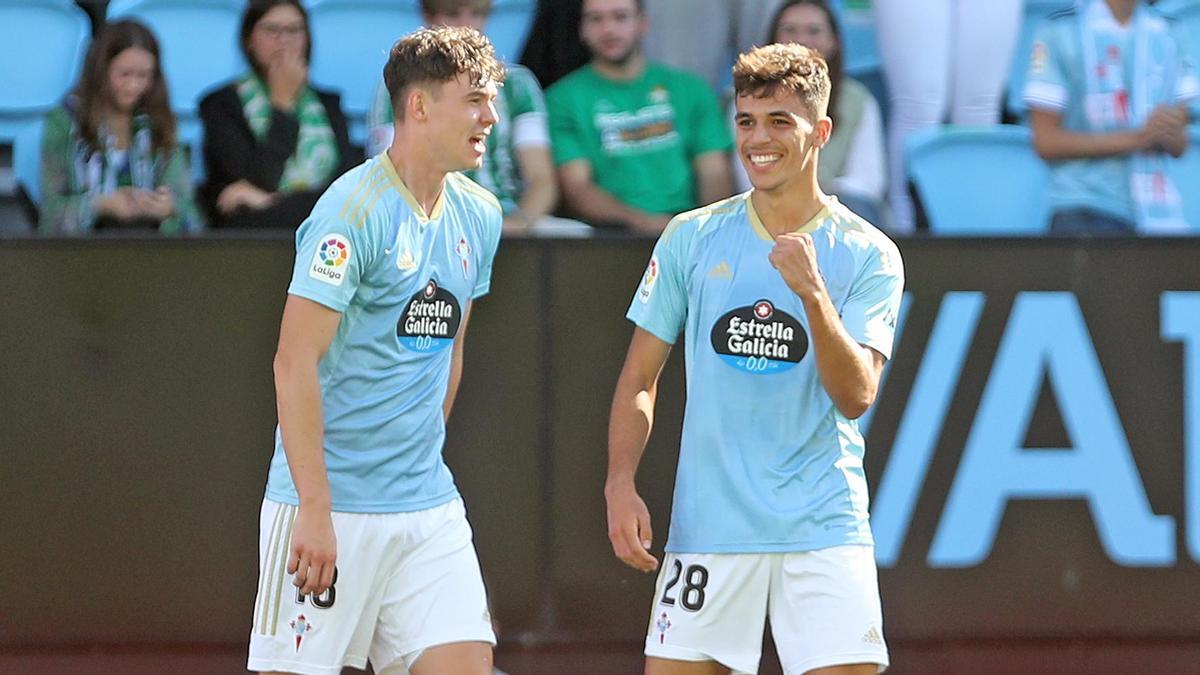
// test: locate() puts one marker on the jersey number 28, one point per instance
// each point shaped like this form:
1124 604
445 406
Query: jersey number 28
694 581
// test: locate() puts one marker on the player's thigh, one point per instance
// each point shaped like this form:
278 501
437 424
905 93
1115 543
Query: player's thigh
436 597
467 658
657 666
852 669
708 608
293 632
825 610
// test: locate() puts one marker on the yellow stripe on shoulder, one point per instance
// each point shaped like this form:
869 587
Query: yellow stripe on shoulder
728 205
370 200
476 189
714 209
845 220
362 190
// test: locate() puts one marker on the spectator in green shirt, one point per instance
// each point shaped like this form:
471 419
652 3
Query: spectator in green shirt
635 142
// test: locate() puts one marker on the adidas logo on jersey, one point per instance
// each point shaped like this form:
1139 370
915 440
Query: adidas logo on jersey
721 271
872 637
406 261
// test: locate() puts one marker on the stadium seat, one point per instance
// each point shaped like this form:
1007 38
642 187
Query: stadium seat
42 44
979 181
199 43
351 40
198 39
508 27
27 166
1036 11
857 21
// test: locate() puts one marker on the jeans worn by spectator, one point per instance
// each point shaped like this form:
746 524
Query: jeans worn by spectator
1088 221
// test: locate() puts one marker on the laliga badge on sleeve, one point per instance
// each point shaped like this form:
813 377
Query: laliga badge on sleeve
649 279
1037 59
331 260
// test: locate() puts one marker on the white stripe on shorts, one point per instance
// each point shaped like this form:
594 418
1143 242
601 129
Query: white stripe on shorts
266 605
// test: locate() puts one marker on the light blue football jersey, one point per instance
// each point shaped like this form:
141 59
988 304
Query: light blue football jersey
402 280
1056 84
766 463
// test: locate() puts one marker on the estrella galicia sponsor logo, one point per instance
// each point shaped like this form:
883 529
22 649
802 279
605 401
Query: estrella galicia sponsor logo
759 339
331 260
430 320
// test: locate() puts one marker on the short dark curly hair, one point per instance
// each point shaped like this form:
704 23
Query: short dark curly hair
436 55
795 68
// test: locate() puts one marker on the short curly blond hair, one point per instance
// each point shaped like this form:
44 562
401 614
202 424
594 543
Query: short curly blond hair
802 71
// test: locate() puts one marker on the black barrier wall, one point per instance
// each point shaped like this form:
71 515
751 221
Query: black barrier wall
1034 457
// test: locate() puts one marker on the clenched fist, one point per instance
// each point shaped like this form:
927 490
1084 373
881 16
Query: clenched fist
795 256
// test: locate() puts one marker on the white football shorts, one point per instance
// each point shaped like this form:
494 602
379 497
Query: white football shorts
404 582
823 605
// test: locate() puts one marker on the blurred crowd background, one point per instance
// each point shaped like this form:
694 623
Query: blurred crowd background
1009 117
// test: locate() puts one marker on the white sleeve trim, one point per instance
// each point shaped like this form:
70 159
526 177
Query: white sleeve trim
1187 88
1046 95
531 130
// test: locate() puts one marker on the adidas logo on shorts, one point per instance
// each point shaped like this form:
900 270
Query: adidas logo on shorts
872 637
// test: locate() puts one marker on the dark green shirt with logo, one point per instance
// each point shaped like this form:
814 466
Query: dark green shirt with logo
640 136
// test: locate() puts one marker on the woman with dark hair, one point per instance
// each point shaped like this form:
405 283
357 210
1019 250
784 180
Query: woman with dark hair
109 154
272 142
853 163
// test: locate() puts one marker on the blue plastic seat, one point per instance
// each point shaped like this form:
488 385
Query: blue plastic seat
979 181
508 27
198 39
1036 12
857 21
42 44
351 41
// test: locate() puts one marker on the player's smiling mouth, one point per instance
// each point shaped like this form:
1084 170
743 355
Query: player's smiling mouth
764 158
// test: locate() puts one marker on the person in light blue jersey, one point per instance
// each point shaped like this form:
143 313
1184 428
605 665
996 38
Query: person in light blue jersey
1108 88
517 167
788 304
365 550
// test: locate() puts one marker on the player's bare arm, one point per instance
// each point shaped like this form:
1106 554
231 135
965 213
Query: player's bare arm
456 365
628 430
848 371
1052 141
305 333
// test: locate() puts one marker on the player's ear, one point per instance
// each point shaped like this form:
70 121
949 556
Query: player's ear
417 103
824 130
